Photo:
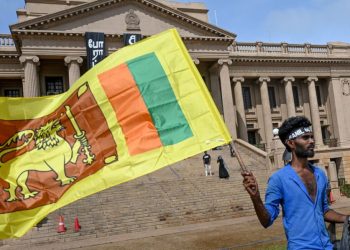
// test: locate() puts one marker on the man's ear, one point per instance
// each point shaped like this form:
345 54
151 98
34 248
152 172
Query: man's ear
291 144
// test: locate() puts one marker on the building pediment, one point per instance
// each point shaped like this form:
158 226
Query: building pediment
147 17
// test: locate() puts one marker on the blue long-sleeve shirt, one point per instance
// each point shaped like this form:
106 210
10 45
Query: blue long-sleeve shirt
303 219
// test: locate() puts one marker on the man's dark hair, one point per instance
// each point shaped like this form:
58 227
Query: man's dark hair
291 124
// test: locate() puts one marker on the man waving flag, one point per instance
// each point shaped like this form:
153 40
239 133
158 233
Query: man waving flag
142 108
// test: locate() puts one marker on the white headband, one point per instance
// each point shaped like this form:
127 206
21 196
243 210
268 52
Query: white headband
298 132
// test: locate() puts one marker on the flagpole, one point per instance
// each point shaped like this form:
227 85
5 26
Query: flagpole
239 158
240 161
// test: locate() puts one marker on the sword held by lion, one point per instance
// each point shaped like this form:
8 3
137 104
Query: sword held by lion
51 153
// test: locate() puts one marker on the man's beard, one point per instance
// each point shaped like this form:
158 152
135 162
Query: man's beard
303 153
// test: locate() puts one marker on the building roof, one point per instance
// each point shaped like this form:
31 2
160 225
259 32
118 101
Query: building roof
65 19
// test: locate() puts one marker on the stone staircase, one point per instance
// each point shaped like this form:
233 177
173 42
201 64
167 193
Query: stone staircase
179 194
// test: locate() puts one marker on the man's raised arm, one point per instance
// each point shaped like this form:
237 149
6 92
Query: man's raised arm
251 185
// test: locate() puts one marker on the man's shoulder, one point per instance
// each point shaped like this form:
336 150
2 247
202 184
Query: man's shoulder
280 175
281 172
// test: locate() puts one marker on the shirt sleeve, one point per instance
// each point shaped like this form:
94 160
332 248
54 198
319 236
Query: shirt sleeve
273 198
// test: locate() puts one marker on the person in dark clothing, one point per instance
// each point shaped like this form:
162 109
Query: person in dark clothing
206 162
232 152
223 173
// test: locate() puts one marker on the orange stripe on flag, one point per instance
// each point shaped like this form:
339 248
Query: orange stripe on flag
130 108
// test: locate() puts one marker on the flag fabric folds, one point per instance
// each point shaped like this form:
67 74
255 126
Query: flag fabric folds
140 109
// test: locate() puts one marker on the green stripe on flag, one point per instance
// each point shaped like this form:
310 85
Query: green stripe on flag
160 99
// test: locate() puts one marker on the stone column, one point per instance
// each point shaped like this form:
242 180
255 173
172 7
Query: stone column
289 95
267 111
241 121
73 63
215 87
315 116
227 99
337 110
333 176
333 179
31 86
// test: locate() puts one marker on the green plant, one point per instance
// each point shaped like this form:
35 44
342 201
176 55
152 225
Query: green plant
345 189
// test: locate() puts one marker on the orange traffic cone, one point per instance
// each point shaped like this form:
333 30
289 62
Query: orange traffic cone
331 197
77 226
61 228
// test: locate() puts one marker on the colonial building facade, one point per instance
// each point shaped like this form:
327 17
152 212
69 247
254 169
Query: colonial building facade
255 85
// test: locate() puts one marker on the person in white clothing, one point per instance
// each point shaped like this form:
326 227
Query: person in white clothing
206 162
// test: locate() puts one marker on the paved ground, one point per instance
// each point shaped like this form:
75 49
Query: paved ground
240 233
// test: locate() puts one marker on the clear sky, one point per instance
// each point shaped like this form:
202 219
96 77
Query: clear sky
292 21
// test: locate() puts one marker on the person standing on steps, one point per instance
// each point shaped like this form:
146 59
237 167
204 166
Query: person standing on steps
223 171
300 188
206 162
232 151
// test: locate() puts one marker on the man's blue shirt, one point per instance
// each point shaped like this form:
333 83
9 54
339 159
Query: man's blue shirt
303 219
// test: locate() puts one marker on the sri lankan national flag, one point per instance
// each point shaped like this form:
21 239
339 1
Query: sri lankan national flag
142 108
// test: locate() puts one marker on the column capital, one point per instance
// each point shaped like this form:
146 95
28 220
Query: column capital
24 59
288 79
311 79
196 61
70 59
224 61
263 79
238 79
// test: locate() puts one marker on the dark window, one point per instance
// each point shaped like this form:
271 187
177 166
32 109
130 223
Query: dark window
252 137
247 99
12 92
296 96
318 94
272 97
325 134
54 85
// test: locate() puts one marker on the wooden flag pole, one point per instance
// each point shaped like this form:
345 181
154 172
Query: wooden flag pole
240 161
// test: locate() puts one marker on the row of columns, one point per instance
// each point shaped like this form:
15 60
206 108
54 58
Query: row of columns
263 81
31 85
232 116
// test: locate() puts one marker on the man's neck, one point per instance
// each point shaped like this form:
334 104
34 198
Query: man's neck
299 163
